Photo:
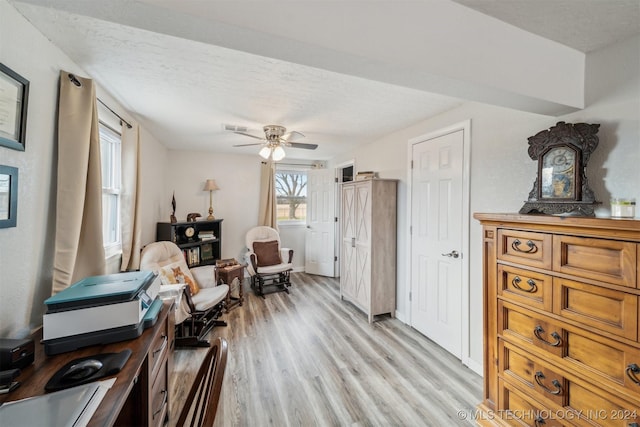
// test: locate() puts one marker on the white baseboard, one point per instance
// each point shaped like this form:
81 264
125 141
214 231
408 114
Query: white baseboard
474 366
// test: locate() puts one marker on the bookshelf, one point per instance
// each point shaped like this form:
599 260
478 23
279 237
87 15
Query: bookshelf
202 248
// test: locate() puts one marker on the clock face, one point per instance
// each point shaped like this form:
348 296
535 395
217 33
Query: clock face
189 232
558 174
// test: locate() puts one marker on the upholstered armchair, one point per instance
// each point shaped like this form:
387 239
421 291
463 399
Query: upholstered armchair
202 299
269 264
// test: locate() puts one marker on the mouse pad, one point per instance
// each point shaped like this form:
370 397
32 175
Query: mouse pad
112 363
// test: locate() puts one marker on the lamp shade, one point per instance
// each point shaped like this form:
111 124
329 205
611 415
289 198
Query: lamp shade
278 153
265 152
211 185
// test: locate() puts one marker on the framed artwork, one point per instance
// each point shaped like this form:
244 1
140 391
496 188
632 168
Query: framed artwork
8 196
14 94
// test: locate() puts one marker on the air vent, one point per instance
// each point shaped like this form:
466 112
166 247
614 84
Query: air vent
233 128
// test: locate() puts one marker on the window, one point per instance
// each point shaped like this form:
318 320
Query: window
110 142
291 196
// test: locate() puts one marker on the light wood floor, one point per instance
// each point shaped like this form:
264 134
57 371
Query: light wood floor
309 358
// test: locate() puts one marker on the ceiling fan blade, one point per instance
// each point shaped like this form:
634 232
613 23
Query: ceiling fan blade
249 135
246 145
302 145
293 134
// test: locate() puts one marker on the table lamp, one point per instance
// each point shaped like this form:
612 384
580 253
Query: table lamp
210 186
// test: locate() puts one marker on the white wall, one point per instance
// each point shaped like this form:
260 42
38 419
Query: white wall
27 250
502 172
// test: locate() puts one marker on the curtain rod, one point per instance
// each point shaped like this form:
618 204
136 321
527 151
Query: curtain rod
77 82
114 113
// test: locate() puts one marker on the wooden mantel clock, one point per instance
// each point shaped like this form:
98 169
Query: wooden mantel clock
561 187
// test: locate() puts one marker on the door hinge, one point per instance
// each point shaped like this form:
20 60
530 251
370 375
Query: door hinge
336 219
411 164
410 230
409 295
336 179
335 258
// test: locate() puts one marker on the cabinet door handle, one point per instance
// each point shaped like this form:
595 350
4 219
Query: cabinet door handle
532 247
631 371
164 344
353 242
538 330
532 284
539 421
165 397
539 376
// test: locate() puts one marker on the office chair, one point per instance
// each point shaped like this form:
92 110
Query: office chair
202 401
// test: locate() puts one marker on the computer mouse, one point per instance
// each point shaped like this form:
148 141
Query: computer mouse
82 369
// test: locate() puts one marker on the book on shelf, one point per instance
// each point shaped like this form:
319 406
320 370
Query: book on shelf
206 235
365 175
206 252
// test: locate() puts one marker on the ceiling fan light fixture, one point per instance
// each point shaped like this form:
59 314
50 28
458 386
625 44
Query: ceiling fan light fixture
278 153
265 152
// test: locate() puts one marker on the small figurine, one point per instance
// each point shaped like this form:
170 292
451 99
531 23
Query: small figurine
173 205
192 216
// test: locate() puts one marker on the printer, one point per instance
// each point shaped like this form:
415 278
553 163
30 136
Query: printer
101 310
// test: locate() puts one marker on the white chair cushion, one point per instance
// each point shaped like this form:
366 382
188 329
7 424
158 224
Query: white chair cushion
272 269
205 276
208 297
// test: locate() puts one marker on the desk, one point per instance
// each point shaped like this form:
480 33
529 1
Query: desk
140 395
226 275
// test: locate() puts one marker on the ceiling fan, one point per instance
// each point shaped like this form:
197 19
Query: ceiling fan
275 138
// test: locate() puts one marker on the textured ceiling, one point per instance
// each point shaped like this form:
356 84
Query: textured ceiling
184 90
584 25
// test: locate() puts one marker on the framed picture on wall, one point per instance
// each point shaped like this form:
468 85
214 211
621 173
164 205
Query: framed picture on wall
8 196
14 94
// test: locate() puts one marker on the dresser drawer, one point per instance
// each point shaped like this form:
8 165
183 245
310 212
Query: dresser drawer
600 408
519 409
526 248
526 287
602 308
159 349
610 261
523 326
159 399
543 382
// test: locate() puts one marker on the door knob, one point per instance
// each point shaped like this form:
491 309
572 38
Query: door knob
452 254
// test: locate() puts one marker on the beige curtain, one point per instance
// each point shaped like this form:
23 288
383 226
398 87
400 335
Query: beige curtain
267 213
130 198
79 250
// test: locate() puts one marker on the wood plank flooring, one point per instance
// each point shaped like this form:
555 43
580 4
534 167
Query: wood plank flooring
310 359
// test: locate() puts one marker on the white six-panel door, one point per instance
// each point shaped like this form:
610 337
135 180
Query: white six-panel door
320 235
436 240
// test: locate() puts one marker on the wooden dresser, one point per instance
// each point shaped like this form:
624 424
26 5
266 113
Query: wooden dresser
561 306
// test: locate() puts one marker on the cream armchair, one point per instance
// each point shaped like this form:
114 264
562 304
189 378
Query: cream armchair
269 264
202 299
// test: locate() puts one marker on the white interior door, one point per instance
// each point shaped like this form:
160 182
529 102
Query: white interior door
437 239
320 235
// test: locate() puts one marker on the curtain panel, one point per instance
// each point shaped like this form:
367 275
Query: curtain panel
130 198
79 250
267 209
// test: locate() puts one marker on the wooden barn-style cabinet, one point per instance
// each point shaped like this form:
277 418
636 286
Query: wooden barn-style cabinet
561 341
368 253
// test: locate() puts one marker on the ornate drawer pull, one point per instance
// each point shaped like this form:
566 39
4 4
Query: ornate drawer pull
532 284
532 247
165 396
631 371
540 376
540 421
540 330
164 344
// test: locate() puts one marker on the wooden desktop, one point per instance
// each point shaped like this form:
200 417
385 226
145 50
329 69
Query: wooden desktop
140 394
